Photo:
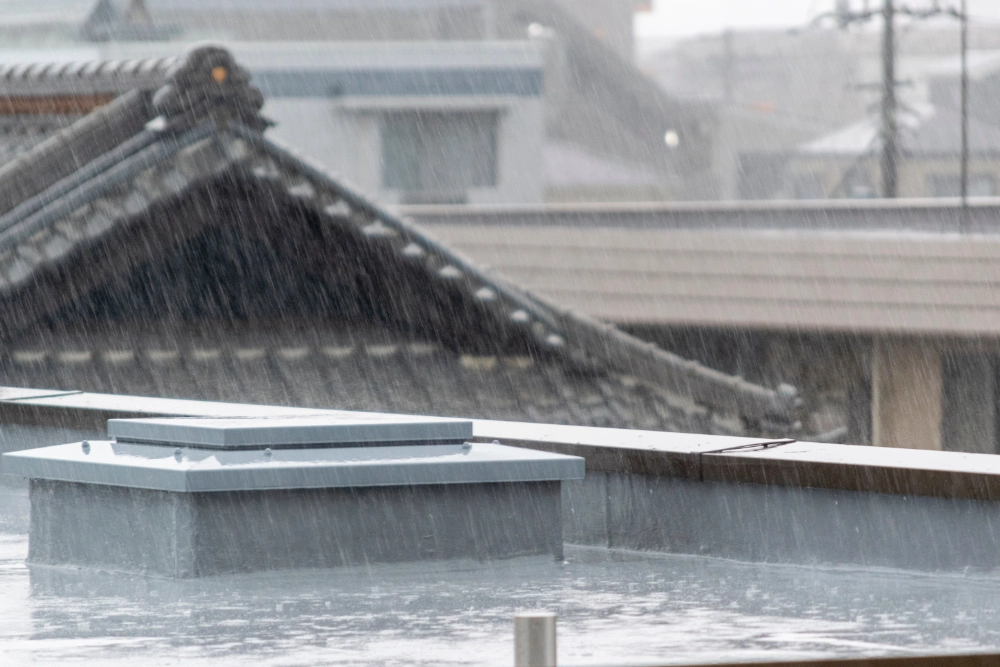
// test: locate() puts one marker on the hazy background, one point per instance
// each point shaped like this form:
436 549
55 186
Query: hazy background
671 18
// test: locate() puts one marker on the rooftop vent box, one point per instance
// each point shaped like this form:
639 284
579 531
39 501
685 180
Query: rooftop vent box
199 496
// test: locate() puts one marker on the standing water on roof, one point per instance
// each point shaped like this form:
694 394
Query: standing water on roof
615 608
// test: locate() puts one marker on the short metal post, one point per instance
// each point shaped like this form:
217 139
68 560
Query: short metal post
535 639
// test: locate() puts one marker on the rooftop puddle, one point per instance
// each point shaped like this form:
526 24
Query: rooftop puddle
614 607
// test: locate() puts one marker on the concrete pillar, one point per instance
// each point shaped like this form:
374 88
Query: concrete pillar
857 375
906 394
970 406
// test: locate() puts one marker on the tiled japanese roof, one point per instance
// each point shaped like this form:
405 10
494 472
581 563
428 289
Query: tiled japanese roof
37 100
105 197
83 78
19 135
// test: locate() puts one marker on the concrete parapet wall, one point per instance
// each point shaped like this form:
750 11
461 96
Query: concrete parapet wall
740 498
752 522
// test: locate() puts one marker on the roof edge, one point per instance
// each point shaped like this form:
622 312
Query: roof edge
205 84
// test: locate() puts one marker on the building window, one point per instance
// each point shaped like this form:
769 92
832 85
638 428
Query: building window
949 185
435 157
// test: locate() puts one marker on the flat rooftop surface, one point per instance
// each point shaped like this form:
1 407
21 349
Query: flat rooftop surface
620 608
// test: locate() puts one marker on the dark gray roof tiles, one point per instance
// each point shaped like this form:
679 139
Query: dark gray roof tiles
18 135
328 370
172 181
84 77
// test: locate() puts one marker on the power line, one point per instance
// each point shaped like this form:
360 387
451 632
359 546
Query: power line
964 102
890 129
844 16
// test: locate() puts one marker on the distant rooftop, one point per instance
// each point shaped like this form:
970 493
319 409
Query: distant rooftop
924 129
570 165
980 62
880 266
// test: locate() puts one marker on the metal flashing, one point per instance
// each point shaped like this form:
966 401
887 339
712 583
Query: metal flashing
179 469
332 429
18 394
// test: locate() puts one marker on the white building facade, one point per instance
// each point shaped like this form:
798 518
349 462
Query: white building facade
408 122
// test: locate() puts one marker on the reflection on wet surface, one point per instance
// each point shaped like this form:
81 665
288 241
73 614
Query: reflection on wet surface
615 608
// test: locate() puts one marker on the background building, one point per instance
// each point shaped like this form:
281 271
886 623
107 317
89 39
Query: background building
846 163
775 91
595 105
884 314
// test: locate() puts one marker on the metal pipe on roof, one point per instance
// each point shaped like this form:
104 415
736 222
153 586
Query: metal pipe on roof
964 103
890 130
535 640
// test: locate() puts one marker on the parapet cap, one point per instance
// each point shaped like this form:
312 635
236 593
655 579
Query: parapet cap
332 450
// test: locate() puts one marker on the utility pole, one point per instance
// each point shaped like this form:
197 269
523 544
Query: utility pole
890 128
964 93
728 62
844 16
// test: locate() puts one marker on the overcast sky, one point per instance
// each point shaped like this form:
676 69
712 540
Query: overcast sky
692 17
